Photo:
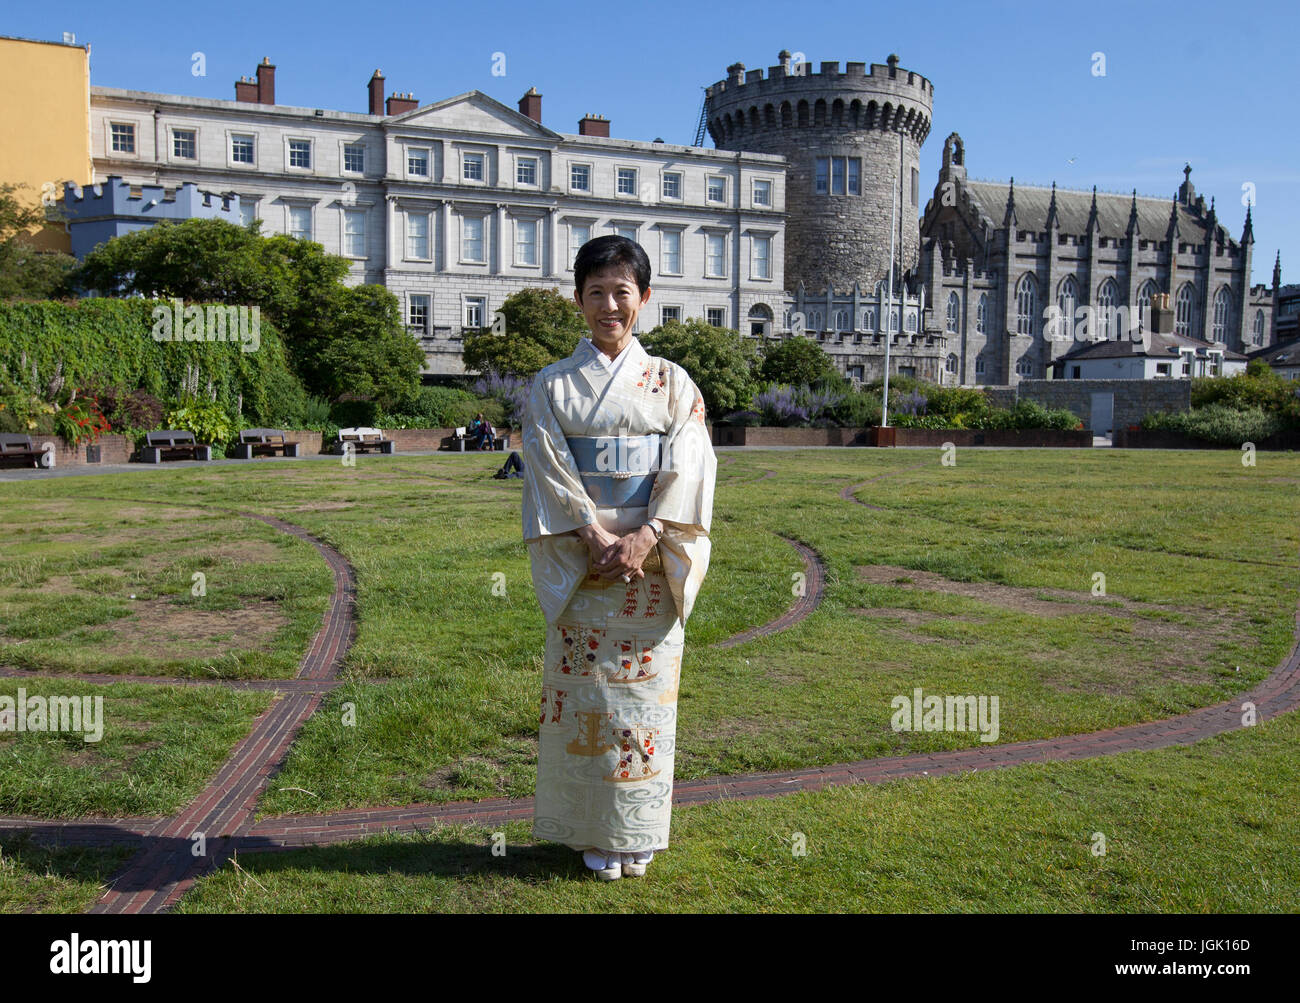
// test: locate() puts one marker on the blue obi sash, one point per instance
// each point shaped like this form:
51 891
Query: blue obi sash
618 471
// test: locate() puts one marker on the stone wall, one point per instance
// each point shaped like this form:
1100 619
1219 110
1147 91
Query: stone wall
1134 399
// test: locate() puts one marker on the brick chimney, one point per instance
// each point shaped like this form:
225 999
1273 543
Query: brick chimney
265 82
399 103
531 105
593 125
259 90
376 91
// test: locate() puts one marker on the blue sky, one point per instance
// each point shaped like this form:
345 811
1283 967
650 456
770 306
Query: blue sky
1210 84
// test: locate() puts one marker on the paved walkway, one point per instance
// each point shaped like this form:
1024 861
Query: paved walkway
165 866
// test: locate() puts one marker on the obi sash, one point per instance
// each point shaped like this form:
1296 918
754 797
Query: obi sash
618 471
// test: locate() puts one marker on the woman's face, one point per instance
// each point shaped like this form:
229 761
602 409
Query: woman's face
610 302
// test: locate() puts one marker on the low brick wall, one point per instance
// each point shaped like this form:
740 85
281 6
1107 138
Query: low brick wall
766 435
1027 437
107 449
1142 438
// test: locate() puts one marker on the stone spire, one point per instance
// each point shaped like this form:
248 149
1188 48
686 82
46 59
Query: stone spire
1093 222
1248 232
1277 270
1133 215
1009 218
1173 232
1053 222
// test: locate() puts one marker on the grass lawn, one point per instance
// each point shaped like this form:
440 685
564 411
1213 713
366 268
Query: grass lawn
979 578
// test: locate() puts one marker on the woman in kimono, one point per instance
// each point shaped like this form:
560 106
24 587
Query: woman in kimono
618 499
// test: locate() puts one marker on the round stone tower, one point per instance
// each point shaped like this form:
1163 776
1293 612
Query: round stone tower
835 236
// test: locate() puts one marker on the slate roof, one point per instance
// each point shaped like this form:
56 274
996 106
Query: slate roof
1163 346
1072 208
1285 354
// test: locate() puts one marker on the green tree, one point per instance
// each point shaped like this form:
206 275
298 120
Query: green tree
26 271
541 327
720 361
797 361
362 348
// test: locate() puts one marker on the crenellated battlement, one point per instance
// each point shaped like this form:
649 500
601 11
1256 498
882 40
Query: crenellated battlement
116 197
795 76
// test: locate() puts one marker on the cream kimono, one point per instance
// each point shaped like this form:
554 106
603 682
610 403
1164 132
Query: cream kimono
616 450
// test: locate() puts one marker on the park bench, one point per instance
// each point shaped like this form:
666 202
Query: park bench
262 442
172 444
363 440
14 445
457 441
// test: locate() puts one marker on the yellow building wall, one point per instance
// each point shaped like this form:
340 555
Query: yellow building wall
45 122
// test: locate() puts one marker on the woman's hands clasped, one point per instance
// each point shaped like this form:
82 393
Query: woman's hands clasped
617 557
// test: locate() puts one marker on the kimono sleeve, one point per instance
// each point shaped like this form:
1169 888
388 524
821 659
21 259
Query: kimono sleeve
682 497
554 499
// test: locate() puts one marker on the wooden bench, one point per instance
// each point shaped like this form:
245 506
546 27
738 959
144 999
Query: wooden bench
15 445
172 444
363 440
262 442
458 441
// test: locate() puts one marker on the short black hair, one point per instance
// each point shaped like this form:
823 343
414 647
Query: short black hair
611 251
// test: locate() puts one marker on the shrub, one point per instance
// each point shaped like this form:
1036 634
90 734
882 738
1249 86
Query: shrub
208 420
1220 424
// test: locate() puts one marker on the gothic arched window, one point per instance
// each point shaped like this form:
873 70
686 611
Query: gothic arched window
814 320
1145 291
1026 304
841 320
950 364
1258 338
1024 366
954 315
911 320
981 313
1067 301
1184 311
1107 300
1222 314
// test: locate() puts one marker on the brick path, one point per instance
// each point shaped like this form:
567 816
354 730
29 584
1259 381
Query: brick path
165 866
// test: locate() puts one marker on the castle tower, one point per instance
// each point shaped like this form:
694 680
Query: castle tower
840 133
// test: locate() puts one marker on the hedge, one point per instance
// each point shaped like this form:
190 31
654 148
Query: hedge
111 341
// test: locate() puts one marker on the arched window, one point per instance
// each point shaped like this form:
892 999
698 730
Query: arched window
1184 311
981 313
1067 301
911 320
1026 304
954 317
979 365
814 320
1024 366
893 318
1258 337
869 318
760 320
1107 300
950 364
841 320
1222 314
1145 291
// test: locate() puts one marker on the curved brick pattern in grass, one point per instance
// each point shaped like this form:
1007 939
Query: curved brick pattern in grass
814 586
296 685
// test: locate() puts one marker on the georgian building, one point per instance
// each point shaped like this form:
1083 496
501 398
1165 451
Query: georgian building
455 205
1018 277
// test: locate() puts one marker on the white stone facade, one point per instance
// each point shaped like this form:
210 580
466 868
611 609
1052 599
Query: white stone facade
458 204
